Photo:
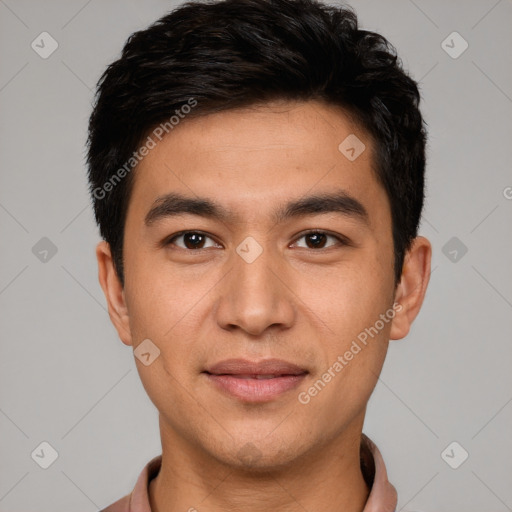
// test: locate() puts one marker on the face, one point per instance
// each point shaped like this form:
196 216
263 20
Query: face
273 245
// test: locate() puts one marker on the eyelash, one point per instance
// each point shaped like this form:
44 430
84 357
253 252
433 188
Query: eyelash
343 241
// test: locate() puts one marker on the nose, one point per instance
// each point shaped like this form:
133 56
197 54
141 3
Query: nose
255 295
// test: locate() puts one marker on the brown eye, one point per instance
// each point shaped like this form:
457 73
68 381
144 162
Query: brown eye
315 240
191 240
319 240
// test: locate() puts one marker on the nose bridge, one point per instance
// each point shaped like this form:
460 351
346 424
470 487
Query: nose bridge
254 297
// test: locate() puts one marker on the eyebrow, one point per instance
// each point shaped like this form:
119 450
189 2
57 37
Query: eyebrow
175 204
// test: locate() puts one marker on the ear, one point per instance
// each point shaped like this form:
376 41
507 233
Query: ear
114 292
410 291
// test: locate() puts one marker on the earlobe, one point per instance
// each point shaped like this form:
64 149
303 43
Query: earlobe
413 284
114 292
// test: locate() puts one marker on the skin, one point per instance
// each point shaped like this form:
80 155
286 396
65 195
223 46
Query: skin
298 302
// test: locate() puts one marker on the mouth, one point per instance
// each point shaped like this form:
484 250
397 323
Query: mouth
255 382
255 376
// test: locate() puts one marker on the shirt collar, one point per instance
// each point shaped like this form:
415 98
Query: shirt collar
382 498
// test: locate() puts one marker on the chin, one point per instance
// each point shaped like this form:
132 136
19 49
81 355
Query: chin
264 456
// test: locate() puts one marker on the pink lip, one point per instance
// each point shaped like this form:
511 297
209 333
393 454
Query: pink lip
237 377
256 390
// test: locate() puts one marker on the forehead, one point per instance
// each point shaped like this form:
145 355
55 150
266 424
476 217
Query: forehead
253 157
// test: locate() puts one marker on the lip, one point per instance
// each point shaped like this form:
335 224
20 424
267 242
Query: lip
260 381
263 367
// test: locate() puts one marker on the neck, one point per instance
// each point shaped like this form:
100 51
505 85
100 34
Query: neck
328 477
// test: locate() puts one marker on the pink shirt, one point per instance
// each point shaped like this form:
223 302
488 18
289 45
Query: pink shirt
382 498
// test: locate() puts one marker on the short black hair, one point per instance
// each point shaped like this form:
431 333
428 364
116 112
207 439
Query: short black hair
220 55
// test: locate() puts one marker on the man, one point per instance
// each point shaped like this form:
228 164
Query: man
257 171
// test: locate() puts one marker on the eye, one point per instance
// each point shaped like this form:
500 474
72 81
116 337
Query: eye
191 240
319 240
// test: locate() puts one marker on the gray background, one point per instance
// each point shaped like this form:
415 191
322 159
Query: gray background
65 378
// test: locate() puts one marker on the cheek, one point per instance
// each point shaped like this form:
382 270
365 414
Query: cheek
356 340
347 299
163 315
170 310
165 385
160 298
